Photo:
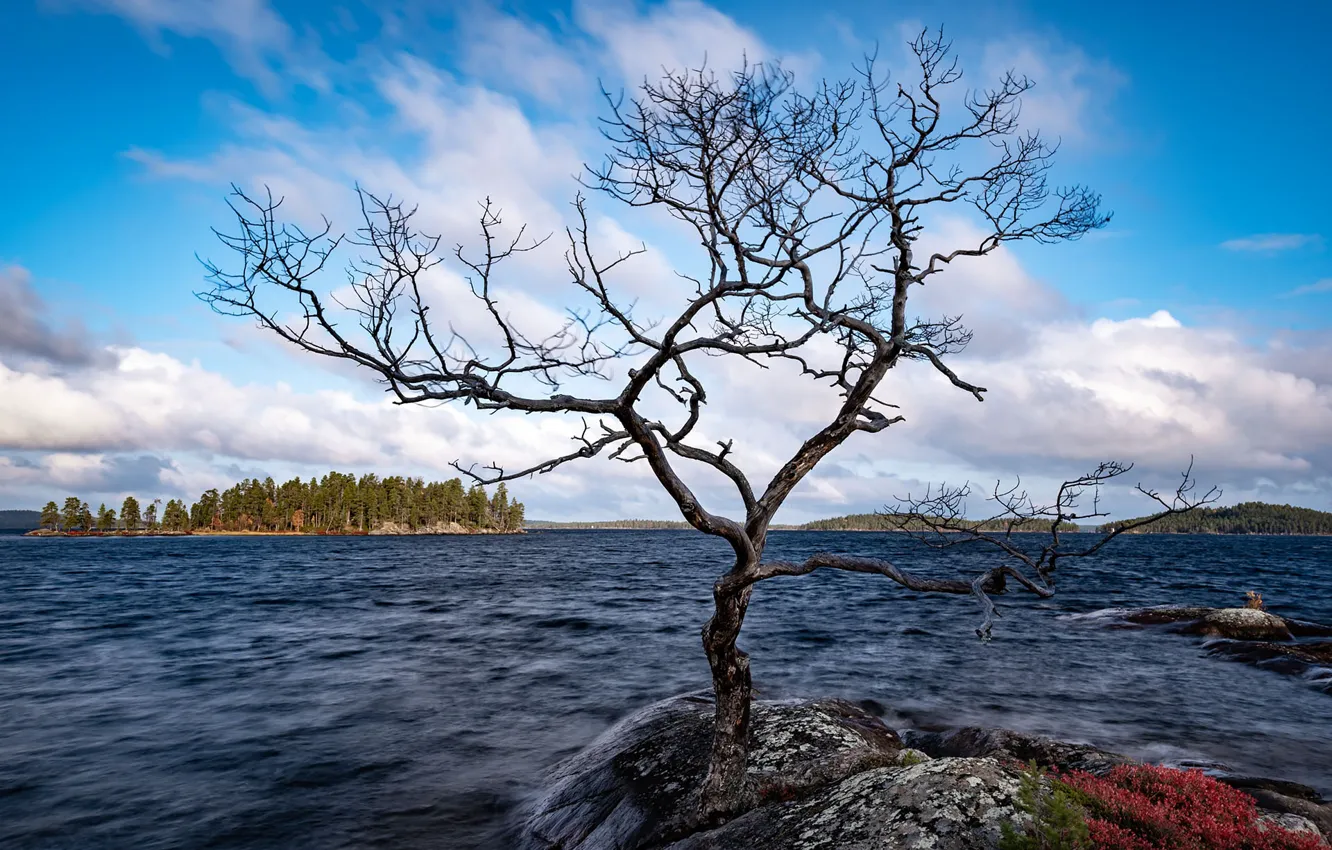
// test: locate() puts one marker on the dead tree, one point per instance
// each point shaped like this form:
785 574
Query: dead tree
806 207
1033 537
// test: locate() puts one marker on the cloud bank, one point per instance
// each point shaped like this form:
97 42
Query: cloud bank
1066 390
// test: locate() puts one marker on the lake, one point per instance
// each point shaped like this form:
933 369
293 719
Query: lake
409 692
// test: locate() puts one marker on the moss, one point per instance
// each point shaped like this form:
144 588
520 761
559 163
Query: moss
1057 817
911 758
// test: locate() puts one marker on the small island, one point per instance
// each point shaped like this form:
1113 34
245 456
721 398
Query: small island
336 504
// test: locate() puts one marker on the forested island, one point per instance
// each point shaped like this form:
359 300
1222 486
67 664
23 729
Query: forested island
338 503
1244 518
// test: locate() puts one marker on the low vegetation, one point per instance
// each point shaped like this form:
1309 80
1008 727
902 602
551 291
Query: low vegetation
1143 807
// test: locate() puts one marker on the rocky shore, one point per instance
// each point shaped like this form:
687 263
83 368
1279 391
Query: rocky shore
1250 635
393 528
829 774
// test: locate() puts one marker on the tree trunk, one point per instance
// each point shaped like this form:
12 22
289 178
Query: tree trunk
723 789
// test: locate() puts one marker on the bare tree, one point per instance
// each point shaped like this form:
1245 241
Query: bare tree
807 207
939 520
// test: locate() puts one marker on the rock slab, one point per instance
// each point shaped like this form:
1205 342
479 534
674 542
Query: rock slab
829 775
940 804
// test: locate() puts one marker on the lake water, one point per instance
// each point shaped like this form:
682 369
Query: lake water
408 693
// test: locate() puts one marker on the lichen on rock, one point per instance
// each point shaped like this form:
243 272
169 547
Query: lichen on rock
1241 624
939 804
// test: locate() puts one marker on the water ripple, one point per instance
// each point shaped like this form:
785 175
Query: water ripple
365 692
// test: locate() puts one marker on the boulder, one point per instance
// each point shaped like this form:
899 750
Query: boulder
635 785
1311 660
1240 624
1163 614
1291 823
1233 623
1007 745
1303 628
1276 803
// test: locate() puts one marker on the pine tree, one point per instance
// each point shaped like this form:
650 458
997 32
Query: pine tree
72 514
207 512
85 517
129 513
174 517
499 508
106 518
51 516
477 507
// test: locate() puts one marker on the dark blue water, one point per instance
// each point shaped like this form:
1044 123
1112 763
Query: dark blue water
407 693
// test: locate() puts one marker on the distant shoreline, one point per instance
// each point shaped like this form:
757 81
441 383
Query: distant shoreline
579 527
42 532
18 532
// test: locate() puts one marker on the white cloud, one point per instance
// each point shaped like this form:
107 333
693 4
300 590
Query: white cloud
250 33
1071 92
1317 287
90 428
1149 389
1273 242
678 35
1064 391
512 54
467 143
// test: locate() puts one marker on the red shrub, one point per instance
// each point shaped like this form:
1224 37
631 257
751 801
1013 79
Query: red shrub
1143 807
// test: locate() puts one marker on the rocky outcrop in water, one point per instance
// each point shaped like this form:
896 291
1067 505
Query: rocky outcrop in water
1249 635
829 775
1231 623
1240 624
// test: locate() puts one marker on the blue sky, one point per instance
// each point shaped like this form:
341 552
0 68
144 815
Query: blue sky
1205 130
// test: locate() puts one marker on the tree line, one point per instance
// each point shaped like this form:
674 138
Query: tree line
1244 518
337 503
891 522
